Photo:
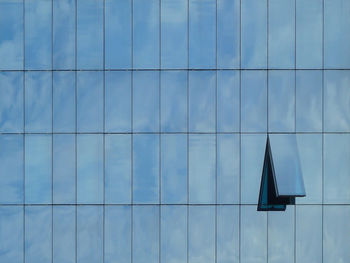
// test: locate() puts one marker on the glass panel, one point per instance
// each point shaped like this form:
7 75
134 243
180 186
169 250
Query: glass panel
336 168
281 33
228 33
64 101
64 168
286 163
90 234
281 100
228 101
118 101
252 160
146 168
63 234
174 168
11 34
202 90
90 101
253 235
308 234
336 34
90 168
202 33
63 34
227 234
254 34
117 234
11 101
336 99
11 234
201 234
309 100
173 234
228 158
281 236
254 99
89 34
174 101
146 15
174 34
118 34
146 234
202 165
336 238
117 168
38 35
309 23
146 101
38 235
38 169
38 101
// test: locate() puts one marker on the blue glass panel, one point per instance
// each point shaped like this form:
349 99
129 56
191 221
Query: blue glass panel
38 235
38 169
146 101
90 168
117 168
64 101
11 101
252 159
38 35
286 163
336 34
309 23
63 234
89 34
146 16
281 33
174 168
174 101
202 166
254 100
174 34
90 234
228 101
227 234
118 101
146 234
146 168
309 100
253 235
11 34
281 100
38 102
336 168
64 168
202 90
254 34
202 34
63 34
11 234
201 234
308 234
173 234
228 158
118 34
117 234
336 101
90 101
228 33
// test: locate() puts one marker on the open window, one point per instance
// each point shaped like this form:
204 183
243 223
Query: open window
281 179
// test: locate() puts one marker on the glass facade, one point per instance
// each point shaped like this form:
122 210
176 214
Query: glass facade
135 131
